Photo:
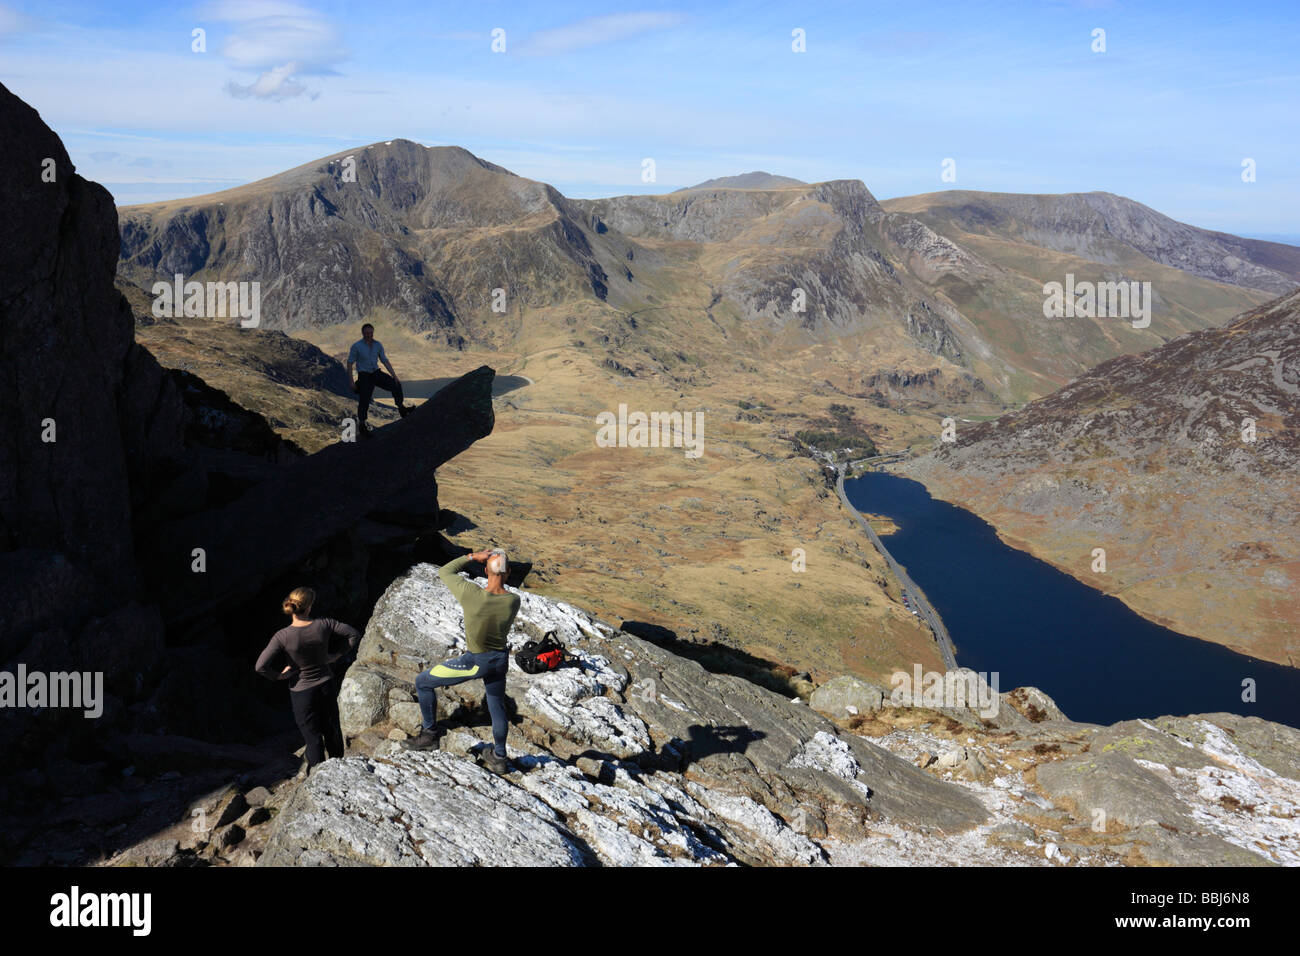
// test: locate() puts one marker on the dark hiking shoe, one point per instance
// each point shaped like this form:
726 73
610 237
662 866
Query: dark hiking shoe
404 410
364 431
494 763
425 740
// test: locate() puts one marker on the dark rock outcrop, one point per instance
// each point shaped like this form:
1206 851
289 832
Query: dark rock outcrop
65 352
110 462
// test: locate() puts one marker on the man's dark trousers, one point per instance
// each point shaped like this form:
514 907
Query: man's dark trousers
366 382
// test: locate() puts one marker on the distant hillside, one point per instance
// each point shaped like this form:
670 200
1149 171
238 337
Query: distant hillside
1106 228
754 180
1149 457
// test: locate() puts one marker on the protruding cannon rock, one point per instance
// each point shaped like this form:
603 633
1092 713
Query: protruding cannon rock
276 523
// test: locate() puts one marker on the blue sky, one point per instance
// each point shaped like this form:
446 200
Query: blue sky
885 92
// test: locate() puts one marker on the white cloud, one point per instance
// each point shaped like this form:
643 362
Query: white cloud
280 42
595 31
275 84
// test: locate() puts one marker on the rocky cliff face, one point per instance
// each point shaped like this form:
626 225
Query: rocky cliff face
828 245
928 386
630 755
67 351
1011 246
115 473
1180 462
87 412
427 233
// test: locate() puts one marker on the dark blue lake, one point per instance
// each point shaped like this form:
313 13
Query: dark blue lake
1009 612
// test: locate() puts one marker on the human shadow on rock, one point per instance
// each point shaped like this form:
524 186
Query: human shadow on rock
718 658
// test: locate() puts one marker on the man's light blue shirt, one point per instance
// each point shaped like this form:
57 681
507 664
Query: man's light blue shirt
367 357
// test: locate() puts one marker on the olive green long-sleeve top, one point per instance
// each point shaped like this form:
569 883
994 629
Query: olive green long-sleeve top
487 616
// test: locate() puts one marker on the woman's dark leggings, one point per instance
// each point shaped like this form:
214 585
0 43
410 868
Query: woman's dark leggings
317 712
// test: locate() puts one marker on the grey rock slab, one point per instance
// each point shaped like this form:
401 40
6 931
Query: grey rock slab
838 694
1275 746
418 809
595 721
1141 740
362 701
1161 847
247 541
161 851
629 825
785 844
620 697
1128 793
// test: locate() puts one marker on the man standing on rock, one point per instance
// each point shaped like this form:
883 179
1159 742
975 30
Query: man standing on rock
366 354
489 613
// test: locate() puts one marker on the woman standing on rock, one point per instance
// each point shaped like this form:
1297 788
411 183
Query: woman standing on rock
309 645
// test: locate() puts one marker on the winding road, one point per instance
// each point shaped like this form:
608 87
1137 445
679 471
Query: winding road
911 592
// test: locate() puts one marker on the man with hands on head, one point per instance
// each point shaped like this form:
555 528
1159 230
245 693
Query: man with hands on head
489 614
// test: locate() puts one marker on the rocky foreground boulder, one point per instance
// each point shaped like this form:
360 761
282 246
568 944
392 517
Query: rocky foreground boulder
630 754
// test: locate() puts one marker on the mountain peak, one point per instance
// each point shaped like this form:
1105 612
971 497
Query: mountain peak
751 180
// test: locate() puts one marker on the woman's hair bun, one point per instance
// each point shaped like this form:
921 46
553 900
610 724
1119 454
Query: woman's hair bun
299 601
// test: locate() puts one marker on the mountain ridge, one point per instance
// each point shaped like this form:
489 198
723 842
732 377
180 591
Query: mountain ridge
1276 268
429 233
